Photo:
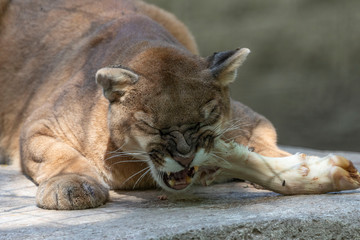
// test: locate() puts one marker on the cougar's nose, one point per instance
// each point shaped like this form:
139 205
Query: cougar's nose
184 161
182 146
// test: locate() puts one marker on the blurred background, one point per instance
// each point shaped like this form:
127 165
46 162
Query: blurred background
303 72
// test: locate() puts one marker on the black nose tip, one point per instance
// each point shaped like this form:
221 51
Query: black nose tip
184 161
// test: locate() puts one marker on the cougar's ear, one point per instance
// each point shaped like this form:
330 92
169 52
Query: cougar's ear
114 81
223 65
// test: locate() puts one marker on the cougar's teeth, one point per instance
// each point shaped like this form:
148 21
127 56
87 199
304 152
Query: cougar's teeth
171 183
196 168
188 179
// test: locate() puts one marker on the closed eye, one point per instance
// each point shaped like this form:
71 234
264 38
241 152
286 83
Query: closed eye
145 127
194 128
212 117
211 112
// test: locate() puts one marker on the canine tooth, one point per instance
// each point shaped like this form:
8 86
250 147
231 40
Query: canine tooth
188 179
171 183
196 168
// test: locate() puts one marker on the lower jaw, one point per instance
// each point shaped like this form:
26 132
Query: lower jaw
177 185
180 186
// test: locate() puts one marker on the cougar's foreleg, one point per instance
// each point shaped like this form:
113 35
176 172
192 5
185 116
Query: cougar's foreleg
67 179
295 174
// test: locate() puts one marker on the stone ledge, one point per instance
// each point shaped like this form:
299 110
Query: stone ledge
234 211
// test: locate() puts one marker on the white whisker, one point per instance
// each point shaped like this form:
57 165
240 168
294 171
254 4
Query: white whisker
130 161
234 137
126 154
142 170
232 125
117 149
141 177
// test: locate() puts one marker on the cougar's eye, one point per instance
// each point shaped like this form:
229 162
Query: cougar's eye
144 123
145 127
192 130
210 112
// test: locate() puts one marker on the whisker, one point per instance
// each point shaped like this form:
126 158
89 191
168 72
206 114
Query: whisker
117 149
131 161
124 154
235 124
136 151
135 175
131 153
141 177
116 156
237 127
234 137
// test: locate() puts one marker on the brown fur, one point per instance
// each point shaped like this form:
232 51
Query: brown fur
50 101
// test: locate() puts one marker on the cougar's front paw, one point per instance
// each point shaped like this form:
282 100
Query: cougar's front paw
71 191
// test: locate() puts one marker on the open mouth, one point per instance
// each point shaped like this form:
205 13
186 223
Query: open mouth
180 180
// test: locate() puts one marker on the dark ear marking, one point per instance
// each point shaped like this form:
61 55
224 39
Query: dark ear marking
114 81
223 65
217 59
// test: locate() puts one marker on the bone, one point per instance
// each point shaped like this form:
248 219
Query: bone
296 174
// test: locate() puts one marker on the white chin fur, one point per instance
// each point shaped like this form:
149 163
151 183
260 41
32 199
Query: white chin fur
200 157
170 165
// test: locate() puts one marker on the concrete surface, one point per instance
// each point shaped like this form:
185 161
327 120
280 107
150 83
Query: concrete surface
225 211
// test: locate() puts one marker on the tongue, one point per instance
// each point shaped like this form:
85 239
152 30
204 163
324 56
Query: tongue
180 180
179 186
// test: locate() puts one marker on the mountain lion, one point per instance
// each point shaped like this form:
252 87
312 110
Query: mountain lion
112 94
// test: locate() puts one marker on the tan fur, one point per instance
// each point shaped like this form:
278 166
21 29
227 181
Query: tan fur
69 133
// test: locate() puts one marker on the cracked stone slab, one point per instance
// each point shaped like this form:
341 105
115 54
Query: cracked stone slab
234 210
